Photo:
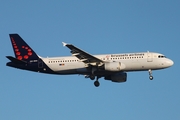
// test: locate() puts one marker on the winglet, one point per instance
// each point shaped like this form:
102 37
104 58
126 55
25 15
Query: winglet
64 44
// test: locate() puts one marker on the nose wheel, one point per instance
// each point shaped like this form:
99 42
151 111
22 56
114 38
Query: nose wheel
151 77
150 74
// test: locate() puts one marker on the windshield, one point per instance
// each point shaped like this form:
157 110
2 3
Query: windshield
161 56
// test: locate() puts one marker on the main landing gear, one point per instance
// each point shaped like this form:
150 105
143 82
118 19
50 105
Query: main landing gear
150 74
92 77
96 83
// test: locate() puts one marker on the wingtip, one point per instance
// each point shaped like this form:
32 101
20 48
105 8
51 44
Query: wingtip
64 44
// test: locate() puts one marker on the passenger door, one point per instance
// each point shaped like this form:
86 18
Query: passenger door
149 57
40 63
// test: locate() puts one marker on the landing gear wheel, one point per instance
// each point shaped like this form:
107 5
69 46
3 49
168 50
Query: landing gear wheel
92 77
96 83
151 77
150 74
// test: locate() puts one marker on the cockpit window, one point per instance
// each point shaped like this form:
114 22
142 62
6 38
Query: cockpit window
161 56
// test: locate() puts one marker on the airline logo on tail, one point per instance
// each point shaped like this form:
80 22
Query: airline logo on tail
18 53
21 49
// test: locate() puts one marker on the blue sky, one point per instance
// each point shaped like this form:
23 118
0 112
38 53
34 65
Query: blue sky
98 27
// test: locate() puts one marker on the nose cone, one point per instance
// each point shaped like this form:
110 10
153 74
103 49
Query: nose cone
169 63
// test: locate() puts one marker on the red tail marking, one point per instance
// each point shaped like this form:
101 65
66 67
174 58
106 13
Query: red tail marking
18 53
29 53
19 57
26 57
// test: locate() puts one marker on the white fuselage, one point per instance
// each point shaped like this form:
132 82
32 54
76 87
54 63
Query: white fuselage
129 62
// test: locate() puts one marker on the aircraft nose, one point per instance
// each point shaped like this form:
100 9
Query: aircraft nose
169 62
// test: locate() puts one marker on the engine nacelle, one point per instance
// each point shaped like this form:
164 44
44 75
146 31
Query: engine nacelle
119 77
114 66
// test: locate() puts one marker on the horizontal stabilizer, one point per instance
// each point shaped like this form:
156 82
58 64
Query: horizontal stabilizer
15 60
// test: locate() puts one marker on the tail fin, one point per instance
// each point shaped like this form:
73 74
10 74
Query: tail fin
21 49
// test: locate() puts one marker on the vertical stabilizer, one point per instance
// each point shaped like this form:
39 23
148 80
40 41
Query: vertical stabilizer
21 49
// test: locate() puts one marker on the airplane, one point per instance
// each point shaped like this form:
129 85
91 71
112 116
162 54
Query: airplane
112 67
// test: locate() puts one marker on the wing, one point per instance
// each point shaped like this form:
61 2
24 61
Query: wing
83 56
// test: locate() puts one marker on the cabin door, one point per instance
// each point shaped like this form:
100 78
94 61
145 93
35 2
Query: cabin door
40 63
149 57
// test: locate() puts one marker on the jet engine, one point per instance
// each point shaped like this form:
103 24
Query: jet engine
114 66
119 77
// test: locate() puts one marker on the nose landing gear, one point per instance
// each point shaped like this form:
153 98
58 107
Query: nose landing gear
150 74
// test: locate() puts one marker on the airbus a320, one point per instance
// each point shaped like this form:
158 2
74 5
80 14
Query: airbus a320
112 67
